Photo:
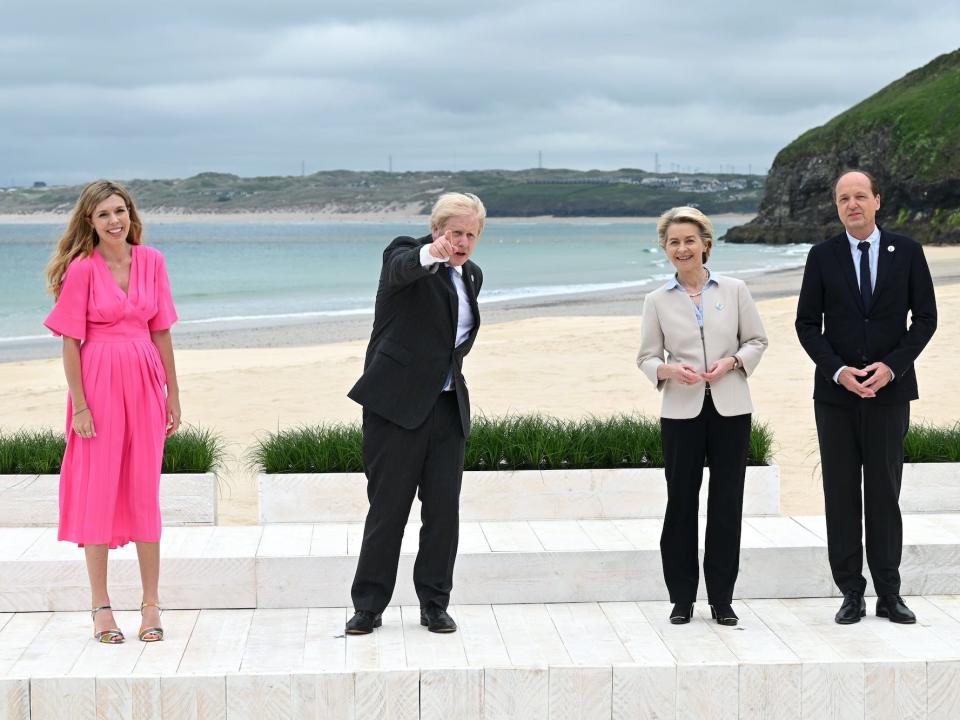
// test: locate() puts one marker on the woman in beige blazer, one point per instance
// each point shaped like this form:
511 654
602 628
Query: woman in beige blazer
701 338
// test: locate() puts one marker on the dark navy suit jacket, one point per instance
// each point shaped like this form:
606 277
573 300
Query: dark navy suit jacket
835 329
411 346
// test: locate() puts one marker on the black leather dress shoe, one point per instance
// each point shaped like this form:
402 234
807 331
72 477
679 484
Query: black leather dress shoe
853 608
895 609
437 620
681 613
723 614
363 622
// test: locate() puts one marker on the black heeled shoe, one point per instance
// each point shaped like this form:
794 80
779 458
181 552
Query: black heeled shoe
681 613
724 614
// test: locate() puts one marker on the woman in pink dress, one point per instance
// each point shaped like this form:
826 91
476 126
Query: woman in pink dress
114 311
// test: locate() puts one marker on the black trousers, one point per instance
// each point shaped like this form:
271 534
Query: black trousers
397 463
722 444
863 444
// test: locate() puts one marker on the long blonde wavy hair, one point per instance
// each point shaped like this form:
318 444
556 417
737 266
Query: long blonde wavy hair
80 238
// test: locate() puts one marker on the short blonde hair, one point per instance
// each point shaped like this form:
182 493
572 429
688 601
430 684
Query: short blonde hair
685 214
450 205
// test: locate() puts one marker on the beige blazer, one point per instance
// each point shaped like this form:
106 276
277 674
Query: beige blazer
670 333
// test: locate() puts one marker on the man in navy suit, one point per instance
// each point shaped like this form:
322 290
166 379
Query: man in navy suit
858 289
416 410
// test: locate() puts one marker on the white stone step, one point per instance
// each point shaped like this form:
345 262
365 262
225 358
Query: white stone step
508 495
33 500
286 566
603 661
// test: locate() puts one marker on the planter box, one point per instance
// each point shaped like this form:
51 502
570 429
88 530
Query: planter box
508 495
33 500
930 487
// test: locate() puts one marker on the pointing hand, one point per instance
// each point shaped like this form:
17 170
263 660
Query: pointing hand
442 248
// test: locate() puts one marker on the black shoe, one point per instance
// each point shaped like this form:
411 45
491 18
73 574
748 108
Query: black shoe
363 622
437 620
853 608
895 609
723 614
681 613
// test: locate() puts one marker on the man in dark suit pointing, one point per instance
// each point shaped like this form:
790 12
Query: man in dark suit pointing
857 291
416 410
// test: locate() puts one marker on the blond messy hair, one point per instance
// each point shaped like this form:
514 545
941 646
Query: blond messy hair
453 204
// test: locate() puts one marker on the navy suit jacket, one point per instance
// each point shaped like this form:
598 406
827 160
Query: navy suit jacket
414 328
835 329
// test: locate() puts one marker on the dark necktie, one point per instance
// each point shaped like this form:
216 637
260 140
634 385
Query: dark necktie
449 378
866 289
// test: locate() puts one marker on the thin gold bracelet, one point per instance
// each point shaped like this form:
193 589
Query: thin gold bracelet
81 410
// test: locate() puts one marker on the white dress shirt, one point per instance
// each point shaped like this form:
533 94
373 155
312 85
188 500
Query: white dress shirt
464 311
874 240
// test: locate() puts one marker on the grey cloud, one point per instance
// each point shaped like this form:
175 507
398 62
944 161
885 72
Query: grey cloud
173 89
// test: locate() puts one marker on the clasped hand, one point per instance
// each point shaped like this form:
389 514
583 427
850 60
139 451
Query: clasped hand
882 375
687 374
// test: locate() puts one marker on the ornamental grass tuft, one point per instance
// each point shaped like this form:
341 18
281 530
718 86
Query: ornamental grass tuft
927 443
529 442
512 442
761 444
193 450
40 452
310 449
31 452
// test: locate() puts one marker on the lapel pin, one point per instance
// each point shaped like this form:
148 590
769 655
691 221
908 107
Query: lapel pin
719 306
889 248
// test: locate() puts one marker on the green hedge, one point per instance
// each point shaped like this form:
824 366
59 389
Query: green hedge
40 452
503 443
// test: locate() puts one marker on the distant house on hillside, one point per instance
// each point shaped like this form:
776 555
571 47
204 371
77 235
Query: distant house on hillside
663 182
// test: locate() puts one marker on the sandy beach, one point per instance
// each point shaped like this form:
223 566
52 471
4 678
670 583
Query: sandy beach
566 356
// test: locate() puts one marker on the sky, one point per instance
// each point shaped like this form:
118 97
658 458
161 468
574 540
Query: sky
171 89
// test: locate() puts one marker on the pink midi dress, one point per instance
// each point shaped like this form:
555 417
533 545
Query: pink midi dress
110 484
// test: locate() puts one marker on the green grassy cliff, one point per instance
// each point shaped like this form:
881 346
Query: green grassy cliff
907 135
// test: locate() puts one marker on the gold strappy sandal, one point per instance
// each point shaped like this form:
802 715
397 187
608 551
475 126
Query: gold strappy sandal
150 634
108 637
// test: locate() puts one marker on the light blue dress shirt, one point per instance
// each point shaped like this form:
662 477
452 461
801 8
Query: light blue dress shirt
674 284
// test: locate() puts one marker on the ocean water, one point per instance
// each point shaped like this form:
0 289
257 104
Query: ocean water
262 273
